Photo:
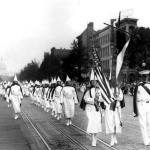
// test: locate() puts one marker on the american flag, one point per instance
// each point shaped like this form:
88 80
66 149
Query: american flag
102 81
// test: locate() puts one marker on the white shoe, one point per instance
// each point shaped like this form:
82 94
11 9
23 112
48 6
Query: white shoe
115 141
58 118
16 117
112 142
52 113
70 122
146 143
93 143
67 123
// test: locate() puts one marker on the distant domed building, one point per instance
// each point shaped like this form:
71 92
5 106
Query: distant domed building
3 68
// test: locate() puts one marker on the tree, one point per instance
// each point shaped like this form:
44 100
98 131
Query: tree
29 72
139 48
50 67
78 61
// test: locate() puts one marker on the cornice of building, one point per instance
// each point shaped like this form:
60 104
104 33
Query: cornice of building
127 20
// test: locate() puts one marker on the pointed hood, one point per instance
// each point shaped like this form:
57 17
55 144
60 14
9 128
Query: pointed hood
68 79
92 77
54 81
58 79
15 78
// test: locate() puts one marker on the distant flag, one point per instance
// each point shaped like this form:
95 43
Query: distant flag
120 58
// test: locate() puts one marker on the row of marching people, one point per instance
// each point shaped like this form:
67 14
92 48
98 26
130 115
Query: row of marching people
61 98
55 96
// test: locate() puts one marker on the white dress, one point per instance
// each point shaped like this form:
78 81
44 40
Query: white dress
57 99
113 118
47 104
94 117
69 99
15 97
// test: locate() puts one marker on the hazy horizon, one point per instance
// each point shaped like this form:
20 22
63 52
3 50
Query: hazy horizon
31 27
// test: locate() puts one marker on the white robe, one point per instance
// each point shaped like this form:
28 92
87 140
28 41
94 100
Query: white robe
46 101
94 117
16 96
57 99
69 99
113 118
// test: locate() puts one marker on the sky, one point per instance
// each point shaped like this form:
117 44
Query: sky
28 28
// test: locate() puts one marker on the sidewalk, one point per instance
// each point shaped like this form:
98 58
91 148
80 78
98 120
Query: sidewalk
13 135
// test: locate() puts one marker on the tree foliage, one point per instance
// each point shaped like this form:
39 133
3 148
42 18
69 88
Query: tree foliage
139 48
50 67
78 61
29 72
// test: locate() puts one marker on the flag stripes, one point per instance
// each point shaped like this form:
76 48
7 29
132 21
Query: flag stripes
102 81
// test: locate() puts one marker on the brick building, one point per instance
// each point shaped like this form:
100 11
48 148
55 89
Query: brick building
105 42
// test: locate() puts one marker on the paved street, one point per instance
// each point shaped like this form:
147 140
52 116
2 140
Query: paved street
13 133
19 135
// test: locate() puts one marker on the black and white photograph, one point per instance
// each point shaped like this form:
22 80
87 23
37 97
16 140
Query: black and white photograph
74 75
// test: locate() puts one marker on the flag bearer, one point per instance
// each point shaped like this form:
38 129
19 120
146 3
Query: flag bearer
142 105
16 96
91 95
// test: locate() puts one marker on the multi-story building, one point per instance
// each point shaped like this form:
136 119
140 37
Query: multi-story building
85 38
60 53
104 41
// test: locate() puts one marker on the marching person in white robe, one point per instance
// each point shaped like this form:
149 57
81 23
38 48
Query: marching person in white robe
45 93
16 96
69 99
113 123
37 93
50 98
91 95
141 105
57 98
7 94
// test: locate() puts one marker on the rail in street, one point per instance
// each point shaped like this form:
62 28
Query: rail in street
69 140
38 130
130 139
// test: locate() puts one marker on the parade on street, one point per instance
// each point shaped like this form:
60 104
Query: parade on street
74 75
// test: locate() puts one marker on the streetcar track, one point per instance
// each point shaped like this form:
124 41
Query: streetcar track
75 142
101 141
36 130
69 138
46 143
